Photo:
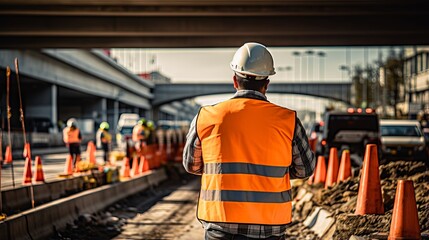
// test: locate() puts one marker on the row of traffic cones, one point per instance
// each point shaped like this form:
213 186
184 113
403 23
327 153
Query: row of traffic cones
405 223
137 168
28 174
335 173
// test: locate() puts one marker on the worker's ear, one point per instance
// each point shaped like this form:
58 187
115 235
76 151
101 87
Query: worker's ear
266 85
235 82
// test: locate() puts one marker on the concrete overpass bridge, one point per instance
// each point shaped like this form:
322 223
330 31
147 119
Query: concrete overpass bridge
211 23
165 93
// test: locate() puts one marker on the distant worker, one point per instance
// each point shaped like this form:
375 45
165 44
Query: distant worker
139 135
150 134
104 140
72 138
247 151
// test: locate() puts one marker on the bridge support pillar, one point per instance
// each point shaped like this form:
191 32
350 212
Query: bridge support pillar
103 109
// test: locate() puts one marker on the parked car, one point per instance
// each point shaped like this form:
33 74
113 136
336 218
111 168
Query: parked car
403 139
351 130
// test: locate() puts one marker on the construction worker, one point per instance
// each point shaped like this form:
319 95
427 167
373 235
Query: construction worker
150 134
72 138
247 150
104 139
139 135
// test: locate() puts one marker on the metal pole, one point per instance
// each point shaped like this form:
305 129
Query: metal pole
365 79
9 115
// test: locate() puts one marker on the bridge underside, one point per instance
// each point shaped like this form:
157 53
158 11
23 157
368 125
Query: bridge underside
166 93
209 23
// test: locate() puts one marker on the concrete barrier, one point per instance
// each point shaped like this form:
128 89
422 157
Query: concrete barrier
42 221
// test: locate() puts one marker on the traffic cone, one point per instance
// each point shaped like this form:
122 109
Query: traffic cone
27 151
405 220
39 176
345 167
27 172
135 169
125 172
68 170
144 164
369 199
90 152
8 155
331 176
320 173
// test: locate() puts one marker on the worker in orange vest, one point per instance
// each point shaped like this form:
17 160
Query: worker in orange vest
247 151
139 135
72 138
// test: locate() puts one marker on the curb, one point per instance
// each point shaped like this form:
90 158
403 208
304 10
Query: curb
41 222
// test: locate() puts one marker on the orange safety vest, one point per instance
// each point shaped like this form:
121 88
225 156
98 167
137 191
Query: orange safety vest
71 136
247 150
138 133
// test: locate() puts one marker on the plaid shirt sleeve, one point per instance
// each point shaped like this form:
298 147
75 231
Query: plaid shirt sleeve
192 154
303 159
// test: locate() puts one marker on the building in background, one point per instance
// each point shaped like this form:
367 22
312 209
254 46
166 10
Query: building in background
416 76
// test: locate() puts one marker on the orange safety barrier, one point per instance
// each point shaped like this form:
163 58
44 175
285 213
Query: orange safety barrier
125 171
405 220
150 156
27 151
144 165
39 176
320 173
27 172
179 153
332 174
135 171
68 170
90 152
8 155
369 199
345 167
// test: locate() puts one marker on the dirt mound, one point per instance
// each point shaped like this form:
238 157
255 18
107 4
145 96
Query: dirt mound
341 200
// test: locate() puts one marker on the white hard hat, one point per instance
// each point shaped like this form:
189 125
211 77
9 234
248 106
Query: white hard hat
253 59
71 122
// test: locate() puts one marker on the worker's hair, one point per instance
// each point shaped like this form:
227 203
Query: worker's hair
249 84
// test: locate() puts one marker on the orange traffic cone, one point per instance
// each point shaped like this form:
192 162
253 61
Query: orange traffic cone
320 173
27 151
90 152
369 199
68 170
345 167
27 172
135 168
8 155
144 164
405 220
125 168
39 176
331 176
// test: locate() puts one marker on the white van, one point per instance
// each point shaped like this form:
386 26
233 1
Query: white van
124 131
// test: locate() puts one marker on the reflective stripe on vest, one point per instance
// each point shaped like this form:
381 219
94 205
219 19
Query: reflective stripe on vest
247 150
71 136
